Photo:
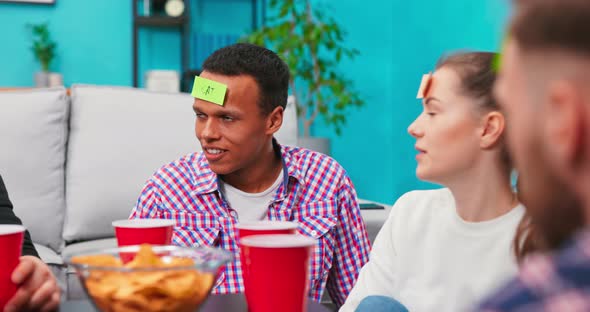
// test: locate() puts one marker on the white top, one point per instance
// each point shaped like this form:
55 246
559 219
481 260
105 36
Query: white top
250 206
430 259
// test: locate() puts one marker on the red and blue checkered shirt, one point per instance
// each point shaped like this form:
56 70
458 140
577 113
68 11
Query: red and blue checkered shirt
552 283
316 192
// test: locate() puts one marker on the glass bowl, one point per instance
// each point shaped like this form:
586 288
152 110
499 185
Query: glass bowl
178 279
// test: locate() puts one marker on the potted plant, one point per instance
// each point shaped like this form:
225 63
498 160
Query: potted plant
44 51
312 44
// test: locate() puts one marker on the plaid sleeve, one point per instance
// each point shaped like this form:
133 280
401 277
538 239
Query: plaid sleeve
352 245
147 205
511 297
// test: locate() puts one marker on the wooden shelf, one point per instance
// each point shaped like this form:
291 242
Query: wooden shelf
182 24
159 21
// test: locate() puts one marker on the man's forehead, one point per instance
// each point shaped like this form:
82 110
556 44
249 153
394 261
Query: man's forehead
512 63
202 105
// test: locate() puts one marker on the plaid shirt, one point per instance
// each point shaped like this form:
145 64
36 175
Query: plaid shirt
316 193
553 283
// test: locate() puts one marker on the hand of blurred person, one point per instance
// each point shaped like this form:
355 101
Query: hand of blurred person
37 287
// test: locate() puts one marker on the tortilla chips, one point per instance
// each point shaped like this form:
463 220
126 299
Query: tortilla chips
147 289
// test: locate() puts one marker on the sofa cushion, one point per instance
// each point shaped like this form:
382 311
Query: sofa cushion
76 248
33 124
118 138
48 255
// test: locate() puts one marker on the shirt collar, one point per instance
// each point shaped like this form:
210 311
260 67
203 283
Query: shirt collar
206 181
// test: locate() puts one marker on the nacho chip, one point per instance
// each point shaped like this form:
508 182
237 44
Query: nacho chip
146 290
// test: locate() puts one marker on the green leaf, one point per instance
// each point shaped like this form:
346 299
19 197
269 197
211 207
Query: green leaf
301 39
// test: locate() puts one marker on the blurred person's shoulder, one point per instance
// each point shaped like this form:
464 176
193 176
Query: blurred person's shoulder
560 280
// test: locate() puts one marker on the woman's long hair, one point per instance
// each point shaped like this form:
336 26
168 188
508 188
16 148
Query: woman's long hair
477 75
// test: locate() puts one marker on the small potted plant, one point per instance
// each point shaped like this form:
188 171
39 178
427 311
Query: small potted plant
313 45
44 51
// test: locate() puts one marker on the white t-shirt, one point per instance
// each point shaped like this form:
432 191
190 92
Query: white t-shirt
250 206
430 259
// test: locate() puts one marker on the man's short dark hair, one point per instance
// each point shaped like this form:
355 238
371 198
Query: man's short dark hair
553 24
265 66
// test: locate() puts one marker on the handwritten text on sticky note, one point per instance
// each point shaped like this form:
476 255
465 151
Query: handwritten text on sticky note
209 90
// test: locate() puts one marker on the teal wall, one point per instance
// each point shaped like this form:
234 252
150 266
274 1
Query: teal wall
94 41
399 40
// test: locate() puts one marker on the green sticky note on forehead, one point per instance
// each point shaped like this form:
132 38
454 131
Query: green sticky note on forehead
209 90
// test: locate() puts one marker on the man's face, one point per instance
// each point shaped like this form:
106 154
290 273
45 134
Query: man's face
233 135
524 99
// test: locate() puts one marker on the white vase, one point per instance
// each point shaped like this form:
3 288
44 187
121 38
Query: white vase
48 80
41 79
55 80
321 145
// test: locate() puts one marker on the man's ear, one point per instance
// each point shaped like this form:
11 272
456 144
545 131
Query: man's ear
274 120
493 128
566 119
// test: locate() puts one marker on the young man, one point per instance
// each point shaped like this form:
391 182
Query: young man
543 86
37 287
244 174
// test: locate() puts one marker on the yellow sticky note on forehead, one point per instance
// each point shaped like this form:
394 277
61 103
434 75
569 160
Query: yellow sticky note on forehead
424 86
209 90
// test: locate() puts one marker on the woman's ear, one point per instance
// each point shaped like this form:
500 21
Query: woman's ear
274 120
493 124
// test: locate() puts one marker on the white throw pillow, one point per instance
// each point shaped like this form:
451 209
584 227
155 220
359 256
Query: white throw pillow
33 128
118 138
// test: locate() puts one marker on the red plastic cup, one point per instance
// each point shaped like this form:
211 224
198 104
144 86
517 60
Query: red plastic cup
142 231
278 271
11 243
263 227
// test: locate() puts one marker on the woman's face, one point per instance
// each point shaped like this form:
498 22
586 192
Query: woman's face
448 130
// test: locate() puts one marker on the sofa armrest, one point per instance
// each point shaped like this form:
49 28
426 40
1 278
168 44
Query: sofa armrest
374 218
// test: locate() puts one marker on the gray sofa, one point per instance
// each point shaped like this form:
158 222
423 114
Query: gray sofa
74 163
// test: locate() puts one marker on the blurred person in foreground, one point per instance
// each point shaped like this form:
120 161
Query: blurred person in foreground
544 88
37 287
